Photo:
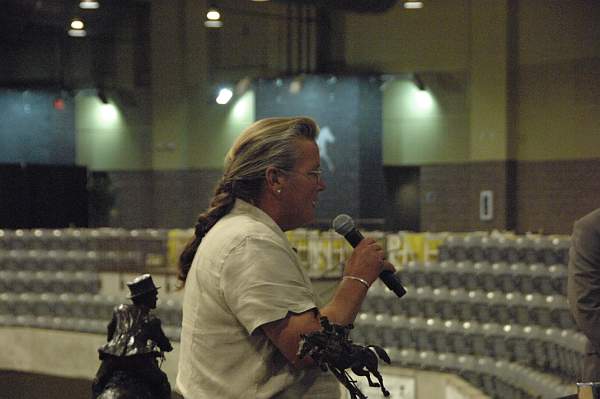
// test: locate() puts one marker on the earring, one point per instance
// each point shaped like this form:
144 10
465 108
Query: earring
278 191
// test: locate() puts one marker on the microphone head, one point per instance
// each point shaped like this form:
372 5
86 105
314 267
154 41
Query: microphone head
343 224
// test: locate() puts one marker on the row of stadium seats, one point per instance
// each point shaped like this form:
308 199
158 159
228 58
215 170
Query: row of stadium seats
550 350
321 252
82 312
501 276
50 282
150 245
497 378
61 260
411 342
528 249
478 305
99 239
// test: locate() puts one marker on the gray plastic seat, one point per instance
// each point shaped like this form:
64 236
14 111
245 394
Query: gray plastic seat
459 335
45 305
452 276
496 338
536 307
14 260
434 274
534 249
4 240
558 277
487 278
475 247
436 336
515 249
404 338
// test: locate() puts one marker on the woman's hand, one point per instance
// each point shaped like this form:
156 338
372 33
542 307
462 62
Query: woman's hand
367 261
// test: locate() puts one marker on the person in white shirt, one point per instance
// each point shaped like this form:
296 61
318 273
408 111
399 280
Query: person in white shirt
247 300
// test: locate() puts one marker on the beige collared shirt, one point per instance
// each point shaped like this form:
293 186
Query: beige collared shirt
244 274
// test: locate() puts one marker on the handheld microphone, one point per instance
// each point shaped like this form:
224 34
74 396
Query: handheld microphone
344 225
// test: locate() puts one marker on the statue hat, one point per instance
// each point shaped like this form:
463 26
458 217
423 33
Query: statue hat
141 285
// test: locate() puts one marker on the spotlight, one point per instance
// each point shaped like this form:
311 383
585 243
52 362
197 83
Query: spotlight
77 32
224 96
213 14
89 5
413 5
77 28
76 23
213 18
296 85
102 96
418 82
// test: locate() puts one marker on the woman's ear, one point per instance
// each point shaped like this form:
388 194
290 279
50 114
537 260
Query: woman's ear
273 178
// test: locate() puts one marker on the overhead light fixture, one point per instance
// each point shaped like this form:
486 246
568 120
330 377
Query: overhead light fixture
225 94
413 5
102 96
296 84
89 4
77 28
419 82
213 14
213 18
77 24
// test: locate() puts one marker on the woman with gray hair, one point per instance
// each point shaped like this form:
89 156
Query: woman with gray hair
247 299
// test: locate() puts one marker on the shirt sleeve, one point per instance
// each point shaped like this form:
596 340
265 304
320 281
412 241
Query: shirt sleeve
262 282
584 278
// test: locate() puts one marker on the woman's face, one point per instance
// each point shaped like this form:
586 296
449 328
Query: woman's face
303 184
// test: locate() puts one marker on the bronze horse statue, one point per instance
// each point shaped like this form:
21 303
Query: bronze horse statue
124 385
332 349
130 366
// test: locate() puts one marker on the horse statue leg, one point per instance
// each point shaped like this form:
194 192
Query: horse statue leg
360 371
350 385
379 377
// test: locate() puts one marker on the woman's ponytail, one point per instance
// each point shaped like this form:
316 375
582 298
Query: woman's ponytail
220 206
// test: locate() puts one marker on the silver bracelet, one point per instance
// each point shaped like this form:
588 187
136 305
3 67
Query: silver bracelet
361 280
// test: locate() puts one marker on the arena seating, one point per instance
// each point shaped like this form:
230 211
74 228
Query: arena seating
489 307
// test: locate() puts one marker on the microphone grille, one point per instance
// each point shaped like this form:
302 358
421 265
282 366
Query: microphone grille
343 224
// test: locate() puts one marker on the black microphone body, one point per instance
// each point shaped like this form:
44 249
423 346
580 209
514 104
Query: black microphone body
344 225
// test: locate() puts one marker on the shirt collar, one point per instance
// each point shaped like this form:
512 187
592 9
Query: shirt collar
243 207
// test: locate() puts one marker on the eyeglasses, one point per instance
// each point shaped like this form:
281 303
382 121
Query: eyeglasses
311 174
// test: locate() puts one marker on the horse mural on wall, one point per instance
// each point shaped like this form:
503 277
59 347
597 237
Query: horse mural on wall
325 138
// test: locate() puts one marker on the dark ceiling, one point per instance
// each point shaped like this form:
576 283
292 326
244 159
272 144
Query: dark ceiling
34 32
22 18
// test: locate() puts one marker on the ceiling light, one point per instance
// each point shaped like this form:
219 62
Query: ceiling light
213 24
419 82
213 14
77 32
76 29
224 96
102 96
76 23
213 18
413 4
89 4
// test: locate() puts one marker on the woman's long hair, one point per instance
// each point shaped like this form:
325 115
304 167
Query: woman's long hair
267 142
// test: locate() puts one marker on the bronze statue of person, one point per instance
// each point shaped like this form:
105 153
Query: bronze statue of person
135 341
